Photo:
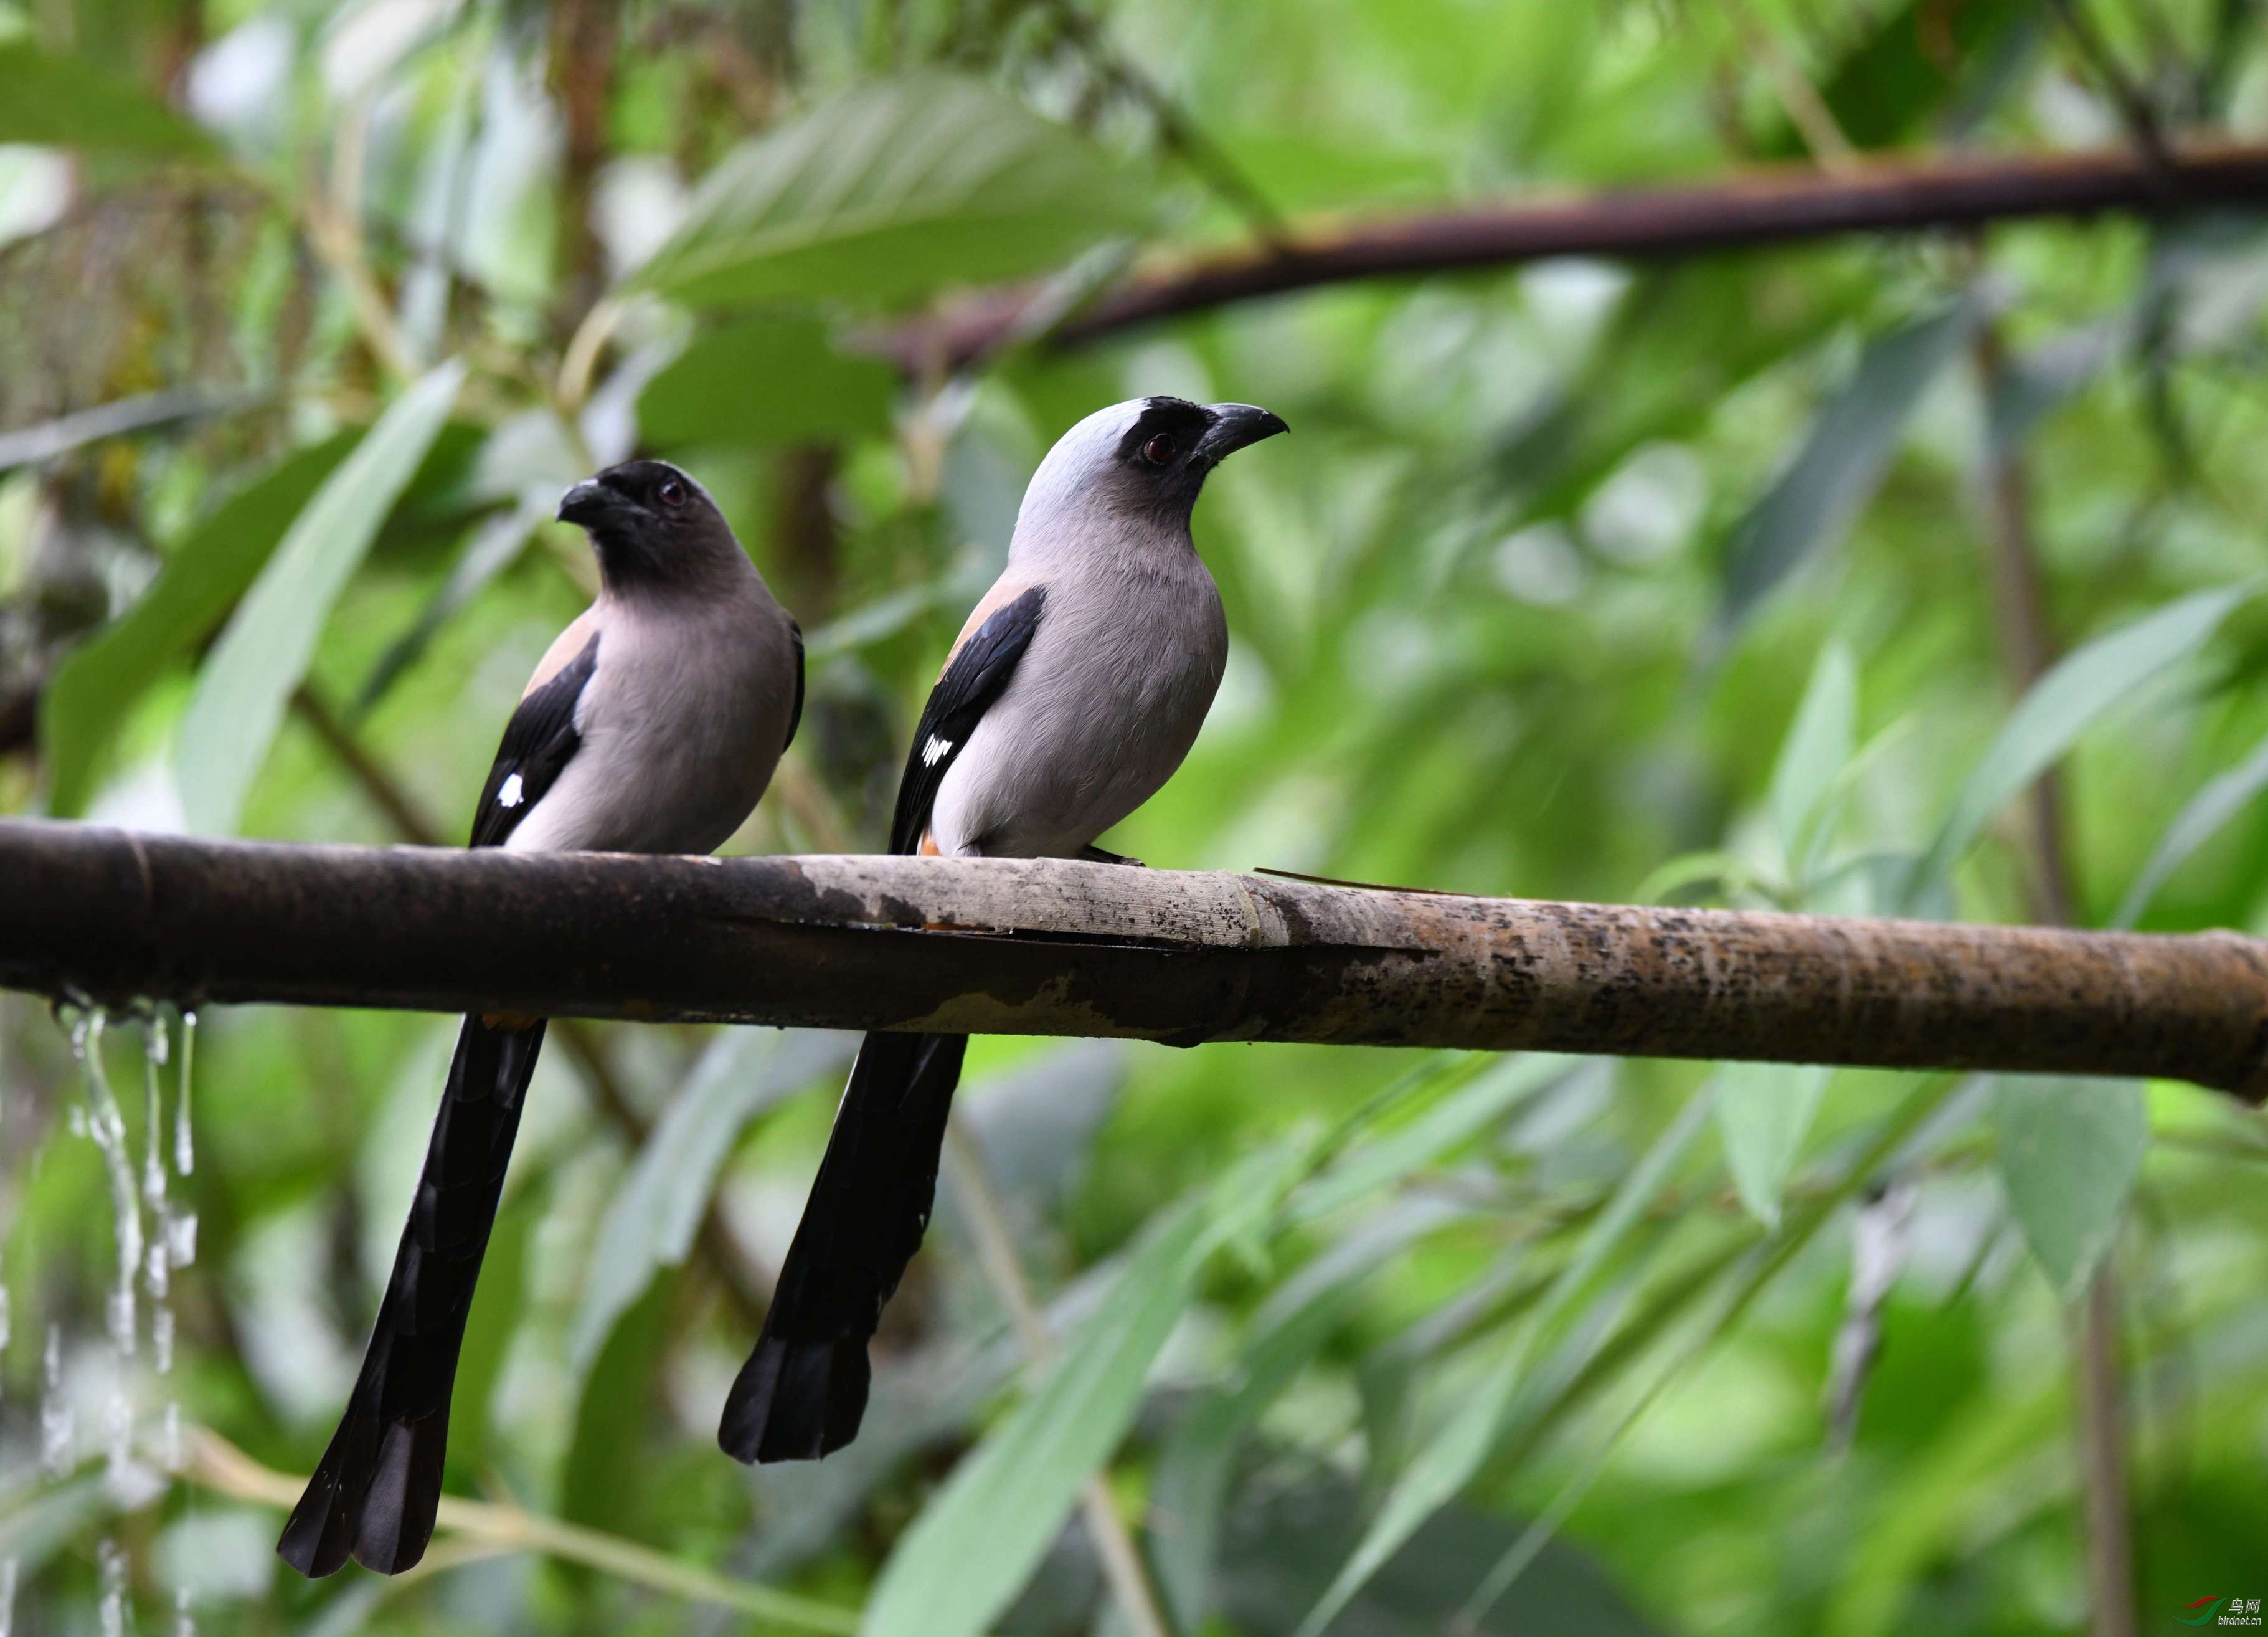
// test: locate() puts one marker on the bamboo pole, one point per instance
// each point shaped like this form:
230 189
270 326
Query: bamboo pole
1053 946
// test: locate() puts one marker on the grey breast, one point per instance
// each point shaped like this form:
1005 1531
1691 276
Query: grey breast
1099 712
682 725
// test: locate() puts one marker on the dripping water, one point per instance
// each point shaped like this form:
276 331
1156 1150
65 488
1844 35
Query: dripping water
7 1596
112 1560
58 1421
185 1155
108 1127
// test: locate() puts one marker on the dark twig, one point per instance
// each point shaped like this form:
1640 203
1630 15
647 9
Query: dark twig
1182 135
2134 109
2027 649
1768 207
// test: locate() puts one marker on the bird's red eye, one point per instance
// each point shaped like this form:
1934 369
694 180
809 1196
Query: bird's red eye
672 493
1159 450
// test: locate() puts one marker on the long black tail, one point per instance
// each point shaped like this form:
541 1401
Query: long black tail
803 1390
373 1496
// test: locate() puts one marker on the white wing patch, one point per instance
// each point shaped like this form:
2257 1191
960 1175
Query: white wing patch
508 793
936 750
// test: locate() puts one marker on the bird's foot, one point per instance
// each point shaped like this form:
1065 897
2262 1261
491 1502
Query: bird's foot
1096 855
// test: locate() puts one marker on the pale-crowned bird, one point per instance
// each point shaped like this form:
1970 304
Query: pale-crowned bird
1074 691
652 725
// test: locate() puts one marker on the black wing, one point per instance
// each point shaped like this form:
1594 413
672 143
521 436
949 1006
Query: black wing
974 679
539 742
795 717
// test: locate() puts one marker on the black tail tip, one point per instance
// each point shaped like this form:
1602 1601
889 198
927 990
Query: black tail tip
796 1400
373 1500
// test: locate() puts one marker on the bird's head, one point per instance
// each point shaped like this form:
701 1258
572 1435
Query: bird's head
1139 464
652 525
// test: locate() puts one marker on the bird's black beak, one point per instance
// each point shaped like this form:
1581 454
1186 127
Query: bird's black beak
591 503
1234 426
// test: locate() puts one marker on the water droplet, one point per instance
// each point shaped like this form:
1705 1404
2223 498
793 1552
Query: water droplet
169 1450
7 1596
118 1433
185 1158
108 1127
181 1239
153 1155
112 1563
58 1427
161 1340
183 1624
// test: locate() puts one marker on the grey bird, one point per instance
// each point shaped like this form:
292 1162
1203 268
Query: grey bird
1074 691
652 725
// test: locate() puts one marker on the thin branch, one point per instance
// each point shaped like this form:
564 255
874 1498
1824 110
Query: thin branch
2027 649
2134 109
220 1466
1798 98
996 1250
1057 946
1779 206
1179 133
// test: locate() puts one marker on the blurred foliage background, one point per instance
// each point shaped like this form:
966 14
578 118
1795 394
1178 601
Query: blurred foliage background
1711 580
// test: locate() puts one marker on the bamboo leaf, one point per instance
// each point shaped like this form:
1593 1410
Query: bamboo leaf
2081 689
2197 823
777 379
1819 745
964 1558
1763 1112
1504 1084
1842 461
495 545
262 655
89 697
600 1488
65 102
651 1220
1908 1125
1449 1461
1188 1490
889 193
2070 1150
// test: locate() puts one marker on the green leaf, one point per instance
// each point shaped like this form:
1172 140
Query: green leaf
261 658
980 1539
1450 1459
778 378
1190 1486
61 101
651 1220
888 194
2070 1151
38 1519
2197 823
106 675
495 545
2062 705
1842 461
1763 1112
1758 1268
600 1488
1818 747
1456 1118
